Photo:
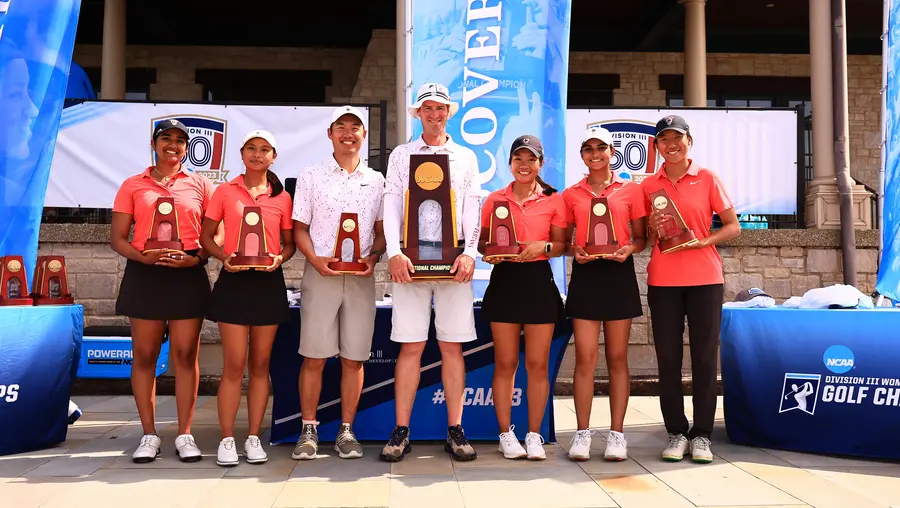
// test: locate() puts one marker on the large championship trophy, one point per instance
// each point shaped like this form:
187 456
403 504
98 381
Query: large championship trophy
429 179
502 242
13 282
348 229
601 231
51 284
674 234
164 228
252 251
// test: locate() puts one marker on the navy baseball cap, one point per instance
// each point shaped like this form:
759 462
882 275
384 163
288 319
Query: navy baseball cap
171 123
672 122
532 143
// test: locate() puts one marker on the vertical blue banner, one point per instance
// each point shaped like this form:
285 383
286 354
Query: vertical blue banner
889 267
506 63
36 42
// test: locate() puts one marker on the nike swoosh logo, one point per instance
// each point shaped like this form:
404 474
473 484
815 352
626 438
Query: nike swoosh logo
692 183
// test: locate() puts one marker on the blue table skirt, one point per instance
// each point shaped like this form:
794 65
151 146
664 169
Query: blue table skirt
825 381
375 415
39 348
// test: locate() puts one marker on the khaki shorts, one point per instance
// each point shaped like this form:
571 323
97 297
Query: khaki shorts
454 314
337 315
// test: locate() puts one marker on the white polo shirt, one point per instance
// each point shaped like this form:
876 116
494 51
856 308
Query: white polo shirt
325 190
466 190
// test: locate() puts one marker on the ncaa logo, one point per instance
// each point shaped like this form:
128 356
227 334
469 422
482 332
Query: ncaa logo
838 359
635 156
206 146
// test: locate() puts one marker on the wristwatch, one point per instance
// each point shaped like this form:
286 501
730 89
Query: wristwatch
548 247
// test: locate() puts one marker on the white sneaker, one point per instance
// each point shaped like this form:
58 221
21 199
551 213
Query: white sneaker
678 445
148 450
700 451
534 443
580 448
253 451
227 454
616 446
187 449
509 445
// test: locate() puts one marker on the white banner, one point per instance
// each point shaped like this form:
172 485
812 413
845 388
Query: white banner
754 152
100 144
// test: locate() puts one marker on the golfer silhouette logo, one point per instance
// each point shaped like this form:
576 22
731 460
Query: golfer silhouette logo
800 391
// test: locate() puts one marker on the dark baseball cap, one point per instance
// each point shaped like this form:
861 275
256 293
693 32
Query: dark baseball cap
171 123
672 122
532 143
749 294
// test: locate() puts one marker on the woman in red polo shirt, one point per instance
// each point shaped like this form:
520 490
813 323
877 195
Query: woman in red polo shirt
248 303
163 287
538 222
686 281
603 291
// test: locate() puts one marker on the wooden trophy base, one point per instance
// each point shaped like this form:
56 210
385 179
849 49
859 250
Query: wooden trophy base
157 246
251 261
16 301
676 242
62 300
431 269
348 267
601 251
497 252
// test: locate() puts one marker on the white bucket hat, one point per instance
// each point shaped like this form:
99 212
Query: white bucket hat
432 92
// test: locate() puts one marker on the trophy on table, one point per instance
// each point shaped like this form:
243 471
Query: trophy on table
252 251
348 229
51 284
502 241
601 231
673 234
164 228
429 180
13 282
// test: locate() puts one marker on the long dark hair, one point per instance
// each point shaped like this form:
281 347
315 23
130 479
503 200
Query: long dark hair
275 182
548 190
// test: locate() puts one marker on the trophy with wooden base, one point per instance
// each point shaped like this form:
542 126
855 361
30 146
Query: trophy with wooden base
348 229
673 234
502 241
252 250
164 228
51 284
429 179
601 231
13 282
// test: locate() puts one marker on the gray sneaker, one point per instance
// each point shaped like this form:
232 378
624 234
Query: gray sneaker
307 445
458 446
397 446
346 444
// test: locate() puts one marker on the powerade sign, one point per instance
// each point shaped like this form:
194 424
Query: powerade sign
109 356
839 359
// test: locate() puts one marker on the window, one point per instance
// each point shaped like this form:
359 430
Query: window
591 90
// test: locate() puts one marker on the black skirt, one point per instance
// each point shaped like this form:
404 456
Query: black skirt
522 293
161 293
250 297
604 290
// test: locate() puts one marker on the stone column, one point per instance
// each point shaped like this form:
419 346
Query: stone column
112 72
695 53
403 131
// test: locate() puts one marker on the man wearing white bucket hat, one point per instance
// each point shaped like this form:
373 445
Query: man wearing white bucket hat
412 301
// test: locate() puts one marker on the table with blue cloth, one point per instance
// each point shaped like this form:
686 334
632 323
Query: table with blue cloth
375 415
39 349
813 380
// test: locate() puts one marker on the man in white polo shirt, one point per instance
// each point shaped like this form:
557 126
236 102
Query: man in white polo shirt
337 311
453 299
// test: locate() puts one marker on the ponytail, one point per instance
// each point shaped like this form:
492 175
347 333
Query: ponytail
276 184
548 191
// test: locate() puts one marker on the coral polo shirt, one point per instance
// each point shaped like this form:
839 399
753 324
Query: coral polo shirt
531 219
698 194
228 204
626 203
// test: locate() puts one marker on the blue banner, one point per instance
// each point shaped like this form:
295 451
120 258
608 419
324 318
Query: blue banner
889 266
36 42
506 63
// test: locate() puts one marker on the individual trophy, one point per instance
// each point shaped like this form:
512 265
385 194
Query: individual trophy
601 231
502 241
51 284
673 234
13 282
164 227
348 229
429 179
252 251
